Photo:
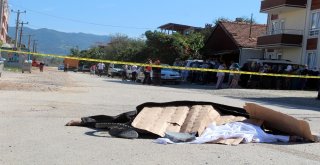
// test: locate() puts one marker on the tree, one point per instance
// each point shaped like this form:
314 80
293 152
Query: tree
123 48
207 31
238 19
165 47
195 43
74 52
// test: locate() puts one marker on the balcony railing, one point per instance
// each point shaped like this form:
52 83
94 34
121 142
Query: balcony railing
281 37
314 32
273 4
284 31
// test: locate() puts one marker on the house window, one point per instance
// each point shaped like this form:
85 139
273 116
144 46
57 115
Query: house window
315 24
277 26
311 59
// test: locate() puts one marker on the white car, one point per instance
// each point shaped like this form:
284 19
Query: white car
170 75
167 75
115 70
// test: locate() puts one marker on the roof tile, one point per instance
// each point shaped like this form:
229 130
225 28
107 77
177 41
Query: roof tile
240 32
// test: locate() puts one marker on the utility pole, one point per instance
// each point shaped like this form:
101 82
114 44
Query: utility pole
251 20
21 30
29 41
34 48
29 44
17 26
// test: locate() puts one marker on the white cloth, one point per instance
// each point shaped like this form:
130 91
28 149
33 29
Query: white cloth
134 68
101 66
250 133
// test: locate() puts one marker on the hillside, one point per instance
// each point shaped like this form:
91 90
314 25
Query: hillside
55 42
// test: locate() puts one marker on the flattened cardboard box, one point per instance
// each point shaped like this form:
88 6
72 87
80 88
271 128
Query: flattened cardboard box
274 120
194 119
159 120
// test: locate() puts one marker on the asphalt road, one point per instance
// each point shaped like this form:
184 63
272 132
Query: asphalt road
35 107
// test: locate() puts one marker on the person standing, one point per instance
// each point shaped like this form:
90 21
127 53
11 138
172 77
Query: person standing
134 72
235 78
156 73
101 67
93 69
124 72
220 76
147 73
41 65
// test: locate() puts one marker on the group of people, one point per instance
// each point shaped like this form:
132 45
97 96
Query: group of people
97 69
288 83
227 79
204 77
156 77
224 78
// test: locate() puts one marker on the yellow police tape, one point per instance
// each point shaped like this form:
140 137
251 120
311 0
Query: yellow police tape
161 66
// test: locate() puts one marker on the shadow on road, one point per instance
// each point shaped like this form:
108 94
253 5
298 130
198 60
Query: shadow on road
309 103
167 84
288 102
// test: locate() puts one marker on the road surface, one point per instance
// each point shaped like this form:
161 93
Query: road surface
35 107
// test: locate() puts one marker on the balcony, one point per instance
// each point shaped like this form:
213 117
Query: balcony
276 6
281 38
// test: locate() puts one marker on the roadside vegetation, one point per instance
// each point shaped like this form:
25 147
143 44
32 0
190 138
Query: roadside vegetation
155 44
12 69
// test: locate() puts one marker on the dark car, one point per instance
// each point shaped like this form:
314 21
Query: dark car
84 68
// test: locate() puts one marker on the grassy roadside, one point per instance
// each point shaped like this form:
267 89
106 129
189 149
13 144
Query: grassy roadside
12 69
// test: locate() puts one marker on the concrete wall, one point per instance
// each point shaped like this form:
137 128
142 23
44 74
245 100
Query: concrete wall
247 53
294 19
292 54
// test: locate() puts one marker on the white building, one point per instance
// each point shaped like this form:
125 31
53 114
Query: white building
292 31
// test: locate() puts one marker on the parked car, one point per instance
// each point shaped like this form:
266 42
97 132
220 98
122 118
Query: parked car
61 67
189 64
170 75
115 70
84 68
167 75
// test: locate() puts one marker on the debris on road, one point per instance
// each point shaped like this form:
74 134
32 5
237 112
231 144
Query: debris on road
204 122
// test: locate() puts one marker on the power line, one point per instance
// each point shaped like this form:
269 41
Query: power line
85 22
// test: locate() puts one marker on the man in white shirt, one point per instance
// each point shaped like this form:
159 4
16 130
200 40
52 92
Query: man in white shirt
134 72
101 67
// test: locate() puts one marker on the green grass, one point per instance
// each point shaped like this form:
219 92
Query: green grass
12 69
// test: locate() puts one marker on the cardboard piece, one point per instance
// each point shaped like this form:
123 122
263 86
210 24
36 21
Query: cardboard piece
229 119
278 121
184 119
231 141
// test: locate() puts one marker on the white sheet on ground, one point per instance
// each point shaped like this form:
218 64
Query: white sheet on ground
249 133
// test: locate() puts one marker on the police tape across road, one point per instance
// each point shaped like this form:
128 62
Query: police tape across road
159 66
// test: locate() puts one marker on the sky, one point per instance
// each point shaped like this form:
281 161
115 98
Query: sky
129 17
